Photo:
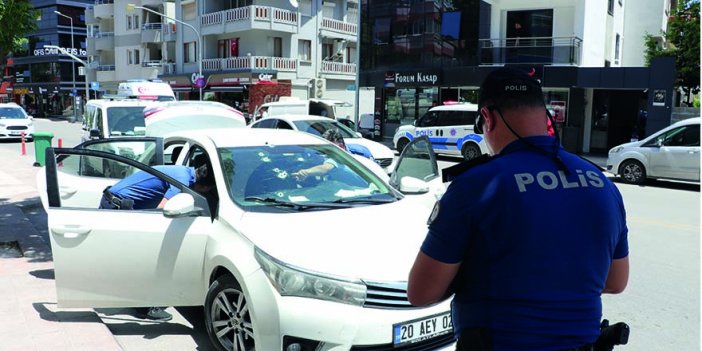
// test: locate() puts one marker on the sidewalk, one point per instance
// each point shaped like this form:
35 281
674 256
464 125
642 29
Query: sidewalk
29 317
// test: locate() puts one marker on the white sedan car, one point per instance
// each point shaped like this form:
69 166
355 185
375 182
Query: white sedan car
278 263
381 154
14 121
671 153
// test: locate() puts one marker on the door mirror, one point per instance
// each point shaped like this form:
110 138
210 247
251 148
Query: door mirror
180 205
411 185
659 142
95 133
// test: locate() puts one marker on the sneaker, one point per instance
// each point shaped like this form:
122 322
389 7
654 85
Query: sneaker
157 314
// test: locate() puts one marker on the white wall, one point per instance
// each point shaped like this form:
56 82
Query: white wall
645 16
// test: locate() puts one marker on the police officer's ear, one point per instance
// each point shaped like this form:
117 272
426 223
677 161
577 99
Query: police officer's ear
488 118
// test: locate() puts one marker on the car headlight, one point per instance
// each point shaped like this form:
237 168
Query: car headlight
292 281
616 149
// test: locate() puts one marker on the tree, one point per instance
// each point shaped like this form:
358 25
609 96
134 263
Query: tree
683 39
17 19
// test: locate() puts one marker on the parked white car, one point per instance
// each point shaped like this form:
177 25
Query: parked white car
381 154
671 153
278 264
14 121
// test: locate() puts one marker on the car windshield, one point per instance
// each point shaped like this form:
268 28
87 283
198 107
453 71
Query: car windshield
318 127
11 113
267 178
126 120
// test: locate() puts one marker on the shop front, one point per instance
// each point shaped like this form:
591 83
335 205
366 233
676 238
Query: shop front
406 96
44 100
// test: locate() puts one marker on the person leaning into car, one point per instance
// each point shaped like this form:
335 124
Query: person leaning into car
521 281
143 190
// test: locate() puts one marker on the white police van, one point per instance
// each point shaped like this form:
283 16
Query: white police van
155 90
449 128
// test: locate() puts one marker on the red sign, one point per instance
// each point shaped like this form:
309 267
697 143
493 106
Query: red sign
234 47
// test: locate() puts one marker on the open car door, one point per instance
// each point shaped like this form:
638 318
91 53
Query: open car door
417 173
118 258
92 175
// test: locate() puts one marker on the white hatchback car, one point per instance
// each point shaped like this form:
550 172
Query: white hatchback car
14 122
671 153
277 263
381 154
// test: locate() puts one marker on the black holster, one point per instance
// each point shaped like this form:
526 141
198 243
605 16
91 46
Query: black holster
474 339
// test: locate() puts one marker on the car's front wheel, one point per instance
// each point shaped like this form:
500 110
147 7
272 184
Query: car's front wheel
227 316
632 172
401 144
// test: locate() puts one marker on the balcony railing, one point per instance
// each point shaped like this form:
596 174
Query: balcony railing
338 68
247 13
151 26
531 50
103 68
152 63
103 34
339 26
104 2
281 64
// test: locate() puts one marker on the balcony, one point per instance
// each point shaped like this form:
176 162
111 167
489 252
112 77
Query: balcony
104 9
338 68
169 32
251 63
533 50
105 73
248 18
104 41
151 33
332 28
163 67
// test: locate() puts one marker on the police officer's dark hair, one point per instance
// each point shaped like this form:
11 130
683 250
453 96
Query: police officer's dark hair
204 176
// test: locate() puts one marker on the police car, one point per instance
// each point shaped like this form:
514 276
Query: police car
449 128
278 263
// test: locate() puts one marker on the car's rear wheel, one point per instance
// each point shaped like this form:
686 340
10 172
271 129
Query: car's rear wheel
401 144
471 151
227 316
632 172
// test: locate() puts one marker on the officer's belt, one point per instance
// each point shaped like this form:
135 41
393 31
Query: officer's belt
113 199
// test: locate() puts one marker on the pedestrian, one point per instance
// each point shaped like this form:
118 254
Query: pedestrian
143 190
526 239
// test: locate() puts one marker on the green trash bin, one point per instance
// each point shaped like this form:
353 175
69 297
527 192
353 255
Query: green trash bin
42 141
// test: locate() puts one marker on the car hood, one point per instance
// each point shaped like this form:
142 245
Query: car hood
191 118
378 242
15 121
378 150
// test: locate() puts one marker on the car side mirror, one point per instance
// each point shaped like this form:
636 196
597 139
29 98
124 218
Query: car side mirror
180 205
659 142
411 185
359 135
95 133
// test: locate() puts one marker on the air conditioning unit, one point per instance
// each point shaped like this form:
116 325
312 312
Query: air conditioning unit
320 86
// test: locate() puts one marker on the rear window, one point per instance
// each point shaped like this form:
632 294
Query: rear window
125 120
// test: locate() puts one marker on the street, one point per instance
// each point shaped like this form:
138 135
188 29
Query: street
661 303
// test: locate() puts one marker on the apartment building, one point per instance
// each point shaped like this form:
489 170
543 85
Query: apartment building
416 53
646 17
247 51
42 79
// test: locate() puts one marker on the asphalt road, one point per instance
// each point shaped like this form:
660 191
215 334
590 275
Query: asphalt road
661 303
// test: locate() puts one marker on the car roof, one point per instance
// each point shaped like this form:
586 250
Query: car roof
292 118
120 102
456 107
693 120
236 137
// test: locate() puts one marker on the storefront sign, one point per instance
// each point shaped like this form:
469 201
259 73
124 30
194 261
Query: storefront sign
263 77
417 78
21 91
48 51
659 97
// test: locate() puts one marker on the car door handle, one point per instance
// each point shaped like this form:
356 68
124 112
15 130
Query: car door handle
70 231
693 151
66 191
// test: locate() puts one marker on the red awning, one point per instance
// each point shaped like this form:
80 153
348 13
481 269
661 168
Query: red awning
4 86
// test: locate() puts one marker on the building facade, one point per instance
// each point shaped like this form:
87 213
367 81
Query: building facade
43 80
417 53
247 51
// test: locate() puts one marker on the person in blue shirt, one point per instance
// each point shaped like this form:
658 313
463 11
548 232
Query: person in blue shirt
142 190
526 239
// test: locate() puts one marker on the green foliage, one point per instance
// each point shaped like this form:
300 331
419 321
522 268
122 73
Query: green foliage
683 37
696 101
17 19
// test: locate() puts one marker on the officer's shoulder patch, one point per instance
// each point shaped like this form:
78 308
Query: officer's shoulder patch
450 173
434 213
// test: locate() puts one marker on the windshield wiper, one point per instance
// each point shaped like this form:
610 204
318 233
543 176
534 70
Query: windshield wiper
366 200
295 205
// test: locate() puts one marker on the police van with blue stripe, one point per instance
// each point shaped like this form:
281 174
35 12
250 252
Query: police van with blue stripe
449 128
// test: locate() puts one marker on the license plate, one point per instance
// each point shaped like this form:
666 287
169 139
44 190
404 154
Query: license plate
422 329
15 133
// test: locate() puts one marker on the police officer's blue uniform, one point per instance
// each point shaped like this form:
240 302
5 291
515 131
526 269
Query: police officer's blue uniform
532 277
147 190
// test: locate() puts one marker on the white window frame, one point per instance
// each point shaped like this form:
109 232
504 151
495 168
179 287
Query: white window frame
304 50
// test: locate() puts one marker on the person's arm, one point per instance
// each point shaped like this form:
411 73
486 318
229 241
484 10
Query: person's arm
316 170
162 203
429 280
618 276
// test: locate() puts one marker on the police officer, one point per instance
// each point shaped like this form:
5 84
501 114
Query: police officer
527 239
143 190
